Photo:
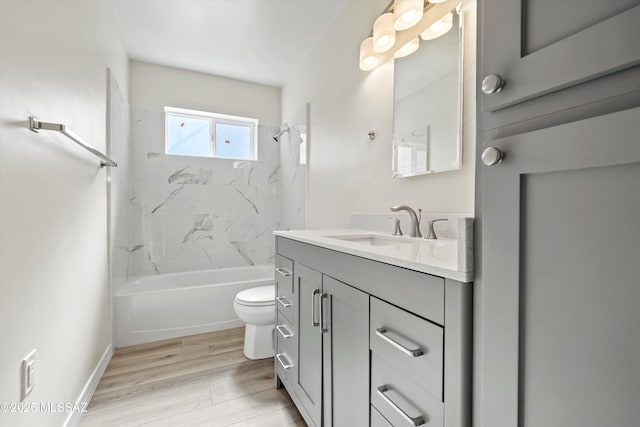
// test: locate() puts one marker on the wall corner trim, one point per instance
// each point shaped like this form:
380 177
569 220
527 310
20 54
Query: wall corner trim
90 387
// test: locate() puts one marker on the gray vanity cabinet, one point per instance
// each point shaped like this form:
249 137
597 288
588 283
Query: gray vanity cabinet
557 331
308 377
345 327
543 47
350 311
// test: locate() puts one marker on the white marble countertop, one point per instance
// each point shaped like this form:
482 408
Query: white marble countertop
442 257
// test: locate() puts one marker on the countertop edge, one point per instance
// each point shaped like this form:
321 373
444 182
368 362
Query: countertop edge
460 276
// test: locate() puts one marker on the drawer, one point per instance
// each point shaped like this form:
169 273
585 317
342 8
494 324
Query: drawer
285 366
400 400
411 344
378 420
284 286
285 334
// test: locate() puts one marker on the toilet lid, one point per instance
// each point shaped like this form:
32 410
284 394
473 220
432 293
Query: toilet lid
264 295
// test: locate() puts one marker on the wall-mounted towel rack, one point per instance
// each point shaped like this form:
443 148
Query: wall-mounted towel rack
36 126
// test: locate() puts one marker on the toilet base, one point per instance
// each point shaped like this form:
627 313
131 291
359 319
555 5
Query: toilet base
258 341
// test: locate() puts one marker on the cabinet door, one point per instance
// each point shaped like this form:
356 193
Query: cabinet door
345 322
541 46
558 296
308 378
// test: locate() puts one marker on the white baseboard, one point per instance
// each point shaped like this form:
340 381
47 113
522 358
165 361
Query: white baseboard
90 387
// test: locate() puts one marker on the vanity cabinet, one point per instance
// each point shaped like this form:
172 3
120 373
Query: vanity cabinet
370 342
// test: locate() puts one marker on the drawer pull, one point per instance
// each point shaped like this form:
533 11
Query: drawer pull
283 271
283 301
285 366
414 421
284 331
413 352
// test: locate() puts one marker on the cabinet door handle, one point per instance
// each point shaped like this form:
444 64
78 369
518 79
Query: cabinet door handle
492 156
284 365
282 329
323 327
414 421
413 352
313 308
492 83
283 271
283 301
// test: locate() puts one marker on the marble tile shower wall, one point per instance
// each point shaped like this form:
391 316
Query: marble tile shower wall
191 213
120 214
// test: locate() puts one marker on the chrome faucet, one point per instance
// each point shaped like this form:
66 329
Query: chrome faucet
415 219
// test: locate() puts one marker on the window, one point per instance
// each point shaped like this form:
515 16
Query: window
198 133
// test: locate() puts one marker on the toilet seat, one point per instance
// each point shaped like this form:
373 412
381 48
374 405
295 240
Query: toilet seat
257 297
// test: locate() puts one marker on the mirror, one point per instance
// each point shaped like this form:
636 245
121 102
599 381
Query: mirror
427 109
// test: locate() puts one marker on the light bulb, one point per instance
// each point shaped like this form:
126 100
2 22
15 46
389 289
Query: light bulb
407 13
438 28
407 49
368 57
384 36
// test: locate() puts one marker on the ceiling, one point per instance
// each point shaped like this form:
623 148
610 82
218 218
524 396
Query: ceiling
254 40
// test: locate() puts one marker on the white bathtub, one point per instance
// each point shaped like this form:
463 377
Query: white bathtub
153 308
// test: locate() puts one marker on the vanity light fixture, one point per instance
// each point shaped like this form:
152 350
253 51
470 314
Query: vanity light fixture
395 32
384 35
407 13
439 28
368 57
407 49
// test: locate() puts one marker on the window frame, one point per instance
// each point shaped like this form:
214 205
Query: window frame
213 119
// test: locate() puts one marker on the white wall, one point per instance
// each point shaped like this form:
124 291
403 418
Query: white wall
153 87
54 291
347 172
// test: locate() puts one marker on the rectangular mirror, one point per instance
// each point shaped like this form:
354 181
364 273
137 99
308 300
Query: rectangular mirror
427 109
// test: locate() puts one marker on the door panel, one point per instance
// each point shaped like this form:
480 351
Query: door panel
537 54
579 318
558 322
548 21
346 355
308 386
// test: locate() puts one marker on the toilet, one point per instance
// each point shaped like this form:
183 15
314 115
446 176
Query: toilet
256 308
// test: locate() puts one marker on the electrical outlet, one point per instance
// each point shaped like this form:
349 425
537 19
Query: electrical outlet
28 374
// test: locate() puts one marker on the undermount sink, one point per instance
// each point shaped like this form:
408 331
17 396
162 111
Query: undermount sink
374 240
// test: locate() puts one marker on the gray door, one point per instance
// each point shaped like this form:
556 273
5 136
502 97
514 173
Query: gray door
557 329
541 46
345 320
308 381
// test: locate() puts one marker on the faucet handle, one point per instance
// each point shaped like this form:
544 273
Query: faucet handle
431 233
396 231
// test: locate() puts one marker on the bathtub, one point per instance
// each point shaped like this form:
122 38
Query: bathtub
163 306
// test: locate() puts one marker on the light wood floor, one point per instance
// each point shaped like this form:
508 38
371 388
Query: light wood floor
201 380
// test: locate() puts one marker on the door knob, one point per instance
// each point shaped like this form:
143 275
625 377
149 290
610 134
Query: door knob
492 156
492 83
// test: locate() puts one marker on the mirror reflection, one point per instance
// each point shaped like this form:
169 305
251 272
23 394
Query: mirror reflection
427 130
